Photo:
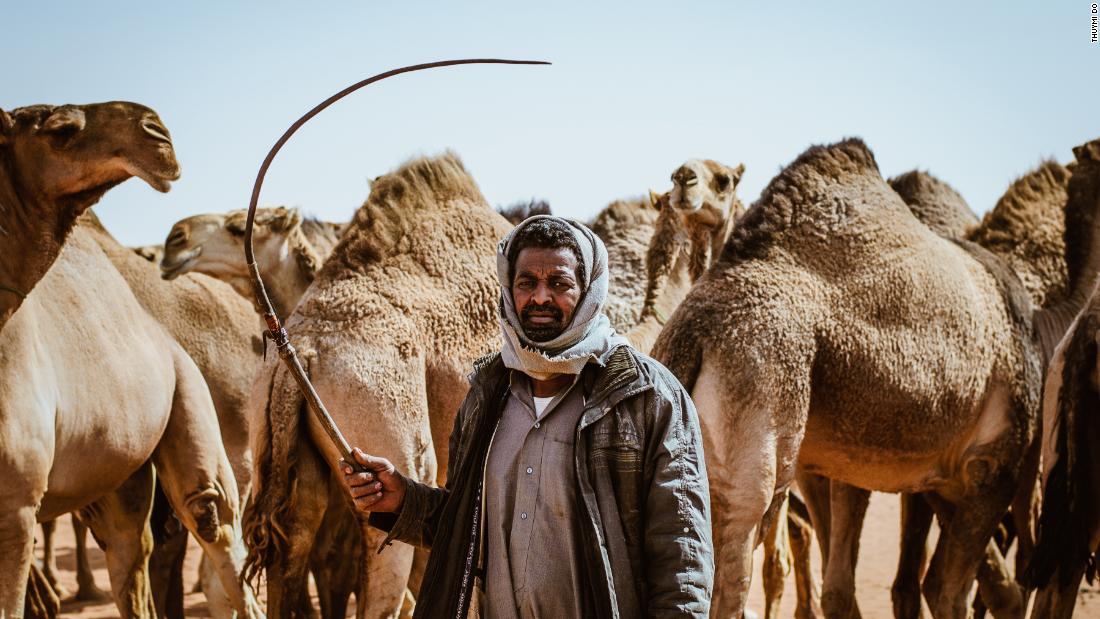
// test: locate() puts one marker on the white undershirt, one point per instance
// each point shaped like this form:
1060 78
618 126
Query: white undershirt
541 404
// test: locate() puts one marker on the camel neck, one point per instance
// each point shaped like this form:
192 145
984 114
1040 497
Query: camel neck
287 280
31 234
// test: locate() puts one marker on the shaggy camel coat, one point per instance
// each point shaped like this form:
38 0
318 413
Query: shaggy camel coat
832 314
388 330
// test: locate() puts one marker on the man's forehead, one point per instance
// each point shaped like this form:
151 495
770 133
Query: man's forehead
546 258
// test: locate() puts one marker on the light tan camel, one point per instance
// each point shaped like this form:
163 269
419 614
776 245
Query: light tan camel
217 329
152 253
289 251
833 314
1070 523
695 220
94 398
388 330
626 227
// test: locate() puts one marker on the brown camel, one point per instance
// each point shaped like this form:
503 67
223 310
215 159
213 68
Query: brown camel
1069 527
935 203
626 227
289 251
108 381
833 314
696 218
152 253
388 330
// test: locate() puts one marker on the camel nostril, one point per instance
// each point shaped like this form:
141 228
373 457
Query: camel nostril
685 177
156 130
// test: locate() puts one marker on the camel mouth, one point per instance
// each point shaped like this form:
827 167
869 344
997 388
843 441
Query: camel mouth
180 266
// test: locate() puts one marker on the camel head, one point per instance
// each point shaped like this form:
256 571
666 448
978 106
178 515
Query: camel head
71 155
152 253
214 243
705 187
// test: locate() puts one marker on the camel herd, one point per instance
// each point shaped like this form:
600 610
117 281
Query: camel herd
846 333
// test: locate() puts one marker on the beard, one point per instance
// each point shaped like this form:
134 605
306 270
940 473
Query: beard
542 331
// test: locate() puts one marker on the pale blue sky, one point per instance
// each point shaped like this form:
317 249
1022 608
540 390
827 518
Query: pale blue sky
976 94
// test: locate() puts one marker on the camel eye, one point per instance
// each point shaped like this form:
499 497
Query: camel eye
177 236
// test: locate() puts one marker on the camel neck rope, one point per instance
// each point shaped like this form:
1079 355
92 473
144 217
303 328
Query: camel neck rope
275 330
21 295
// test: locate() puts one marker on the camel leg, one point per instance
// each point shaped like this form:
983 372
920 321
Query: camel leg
199 483
996 588
777 563
916 524
801 537
967 529
119 522
1057 600
86 589
166 563
49 559
378 597
815 492
16 552
288 576
41 599
848 506
337 556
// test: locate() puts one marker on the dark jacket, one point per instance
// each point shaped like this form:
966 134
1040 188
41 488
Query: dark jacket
640 478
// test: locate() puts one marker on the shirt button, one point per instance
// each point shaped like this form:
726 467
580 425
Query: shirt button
536 425
687 530
523 516
530 470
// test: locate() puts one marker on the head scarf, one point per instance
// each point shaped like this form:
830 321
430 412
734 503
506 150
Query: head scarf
589 335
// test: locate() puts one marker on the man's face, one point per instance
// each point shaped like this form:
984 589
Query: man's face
545 291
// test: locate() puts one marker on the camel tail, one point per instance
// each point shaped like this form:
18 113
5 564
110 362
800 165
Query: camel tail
275 453
1069 506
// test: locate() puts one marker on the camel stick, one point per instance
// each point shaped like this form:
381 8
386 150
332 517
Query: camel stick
275 330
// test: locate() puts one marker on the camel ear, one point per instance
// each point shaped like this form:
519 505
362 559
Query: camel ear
65 122
655 199
285 219
1089 150
737 173
7 127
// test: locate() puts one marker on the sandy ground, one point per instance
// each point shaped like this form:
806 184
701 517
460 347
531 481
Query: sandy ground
877 561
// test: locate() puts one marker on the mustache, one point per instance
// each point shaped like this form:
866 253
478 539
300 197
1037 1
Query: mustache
548 308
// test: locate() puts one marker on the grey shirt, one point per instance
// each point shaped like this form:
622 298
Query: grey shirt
533 536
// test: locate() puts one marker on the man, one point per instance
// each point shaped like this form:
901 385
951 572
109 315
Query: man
576 485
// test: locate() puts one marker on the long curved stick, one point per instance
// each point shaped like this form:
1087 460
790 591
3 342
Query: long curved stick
275 330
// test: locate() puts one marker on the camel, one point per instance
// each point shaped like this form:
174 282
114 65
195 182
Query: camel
289 250
935 203
1069 526
152 253
695 220
217 329
832 315
109 381
696 217
518 211
626 227
388 330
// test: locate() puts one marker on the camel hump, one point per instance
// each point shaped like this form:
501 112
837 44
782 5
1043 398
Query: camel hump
797 191
935 203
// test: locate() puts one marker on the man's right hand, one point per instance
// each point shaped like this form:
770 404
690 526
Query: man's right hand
378 489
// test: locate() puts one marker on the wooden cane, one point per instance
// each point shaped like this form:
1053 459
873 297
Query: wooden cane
275 330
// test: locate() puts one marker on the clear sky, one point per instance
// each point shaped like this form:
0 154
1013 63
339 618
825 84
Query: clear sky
976 93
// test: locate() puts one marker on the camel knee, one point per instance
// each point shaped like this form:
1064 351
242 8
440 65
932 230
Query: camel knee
203 507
